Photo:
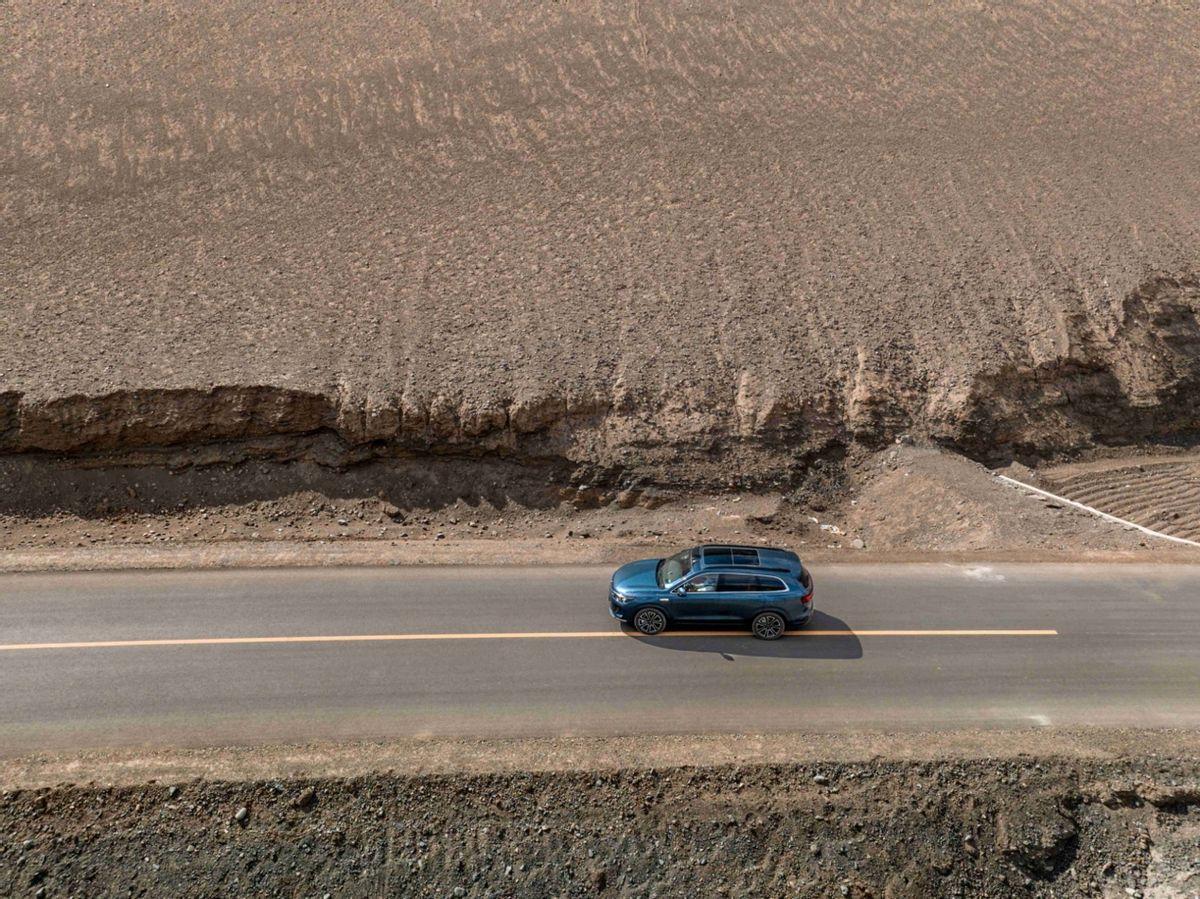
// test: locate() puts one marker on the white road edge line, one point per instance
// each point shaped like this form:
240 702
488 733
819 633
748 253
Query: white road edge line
1097 512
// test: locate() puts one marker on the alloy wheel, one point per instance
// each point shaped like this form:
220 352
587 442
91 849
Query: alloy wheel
650 621
768 626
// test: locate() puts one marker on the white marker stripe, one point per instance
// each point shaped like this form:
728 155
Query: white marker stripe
1094 511
543 635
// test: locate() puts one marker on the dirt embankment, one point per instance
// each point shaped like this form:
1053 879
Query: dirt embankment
1000 827
904 502
685 245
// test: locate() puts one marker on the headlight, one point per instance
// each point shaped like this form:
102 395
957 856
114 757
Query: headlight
619 598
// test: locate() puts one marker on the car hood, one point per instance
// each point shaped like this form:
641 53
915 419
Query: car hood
636 576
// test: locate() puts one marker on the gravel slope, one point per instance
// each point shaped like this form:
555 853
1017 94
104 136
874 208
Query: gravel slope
1000 827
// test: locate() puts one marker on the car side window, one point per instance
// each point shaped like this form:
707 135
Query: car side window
705 583
768 584
737 583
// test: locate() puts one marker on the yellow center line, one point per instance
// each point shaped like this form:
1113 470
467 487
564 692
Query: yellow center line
502 635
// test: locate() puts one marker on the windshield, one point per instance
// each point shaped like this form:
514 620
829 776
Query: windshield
675 567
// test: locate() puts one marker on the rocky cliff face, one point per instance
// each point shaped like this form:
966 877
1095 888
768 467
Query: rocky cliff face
1137 380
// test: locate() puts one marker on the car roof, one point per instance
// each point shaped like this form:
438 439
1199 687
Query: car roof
735 557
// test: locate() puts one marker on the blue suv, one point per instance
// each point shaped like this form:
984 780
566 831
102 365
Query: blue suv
766 588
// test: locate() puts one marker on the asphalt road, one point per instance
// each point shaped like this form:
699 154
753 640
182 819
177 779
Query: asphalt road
1107 645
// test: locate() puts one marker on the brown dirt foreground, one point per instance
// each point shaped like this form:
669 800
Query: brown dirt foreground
1027 814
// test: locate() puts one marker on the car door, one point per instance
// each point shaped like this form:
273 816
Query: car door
697 599
741 596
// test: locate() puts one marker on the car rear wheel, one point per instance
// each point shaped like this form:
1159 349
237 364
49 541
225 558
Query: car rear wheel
650 622
768 625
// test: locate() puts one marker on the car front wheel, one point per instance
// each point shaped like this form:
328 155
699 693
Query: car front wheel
650 622
768 625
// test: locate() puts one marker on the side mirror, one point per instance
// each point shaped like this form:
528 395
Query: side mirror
679 591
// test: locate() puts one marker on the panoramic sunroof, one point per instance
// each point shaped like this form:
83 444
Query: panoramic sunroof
727 555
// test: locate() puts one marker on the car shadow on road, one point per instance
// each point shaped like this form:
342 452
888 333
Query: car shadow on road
814 641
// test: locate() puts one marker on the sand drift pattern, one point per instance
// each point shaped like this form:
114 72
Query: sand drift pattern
1164 496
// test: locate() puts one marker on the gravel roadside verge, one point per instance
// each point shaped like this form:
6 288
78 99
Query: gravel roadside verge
1031 813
